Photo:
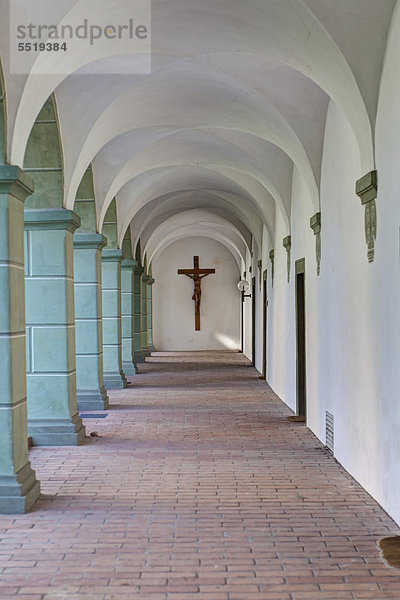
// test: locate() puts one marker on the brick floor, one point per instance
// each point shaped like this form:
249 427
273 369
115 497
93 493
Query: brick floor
197 488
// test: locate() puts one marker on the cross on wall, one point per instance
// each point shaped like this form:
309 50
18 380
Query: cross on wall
197 275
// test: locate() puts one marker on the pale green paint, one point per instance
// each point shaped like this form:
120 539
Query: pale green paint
87 334
110 228
143 332
2 122
18 486
88 321
50 321
44 161
150 284
114 376
127 315
50 300
127 245
85 205
137 314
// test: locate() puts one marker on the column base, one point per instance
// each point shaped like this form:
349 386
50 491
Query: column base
114 381
129 368
151 348
92 399
138 357
57 432
18 493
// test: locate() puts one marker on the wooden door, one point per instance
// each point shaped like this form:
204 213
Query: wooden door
301 338
265 321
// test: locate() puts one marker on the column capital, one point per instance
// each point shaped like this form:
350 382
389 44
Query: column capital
90 240
287 244
367 191
112 255
15 181
128 263
51 218
146 278
151 281
138 270
315 223
367 187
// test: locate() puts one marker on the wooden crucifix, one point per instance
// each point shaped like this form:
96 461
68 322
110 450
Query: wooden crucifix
197 275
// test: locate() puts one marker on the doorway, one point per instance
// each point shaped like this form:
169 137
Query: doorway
265 317
253 321
301 339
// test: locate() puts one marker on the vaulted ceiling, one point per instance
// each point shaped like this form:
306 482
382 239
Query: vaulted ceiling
207 143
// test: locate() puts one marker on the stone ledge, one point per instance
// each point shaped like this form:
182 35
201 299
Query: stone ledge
114 381
92 399
57 432
112 255
51 218
89 240
15 180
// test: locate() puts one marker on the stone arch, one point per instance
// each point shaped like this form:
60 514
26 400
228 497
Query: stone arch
85 204
228 160
127 245
44 159
160 209
192 222
297 38
109 226
138 254
157 183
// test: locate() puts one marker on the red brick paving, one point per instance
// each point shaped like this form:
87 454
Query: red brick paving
198 488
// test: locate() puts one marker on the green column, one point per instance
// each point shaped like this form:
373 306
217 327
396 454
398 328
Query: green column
137 314
128 363
144 340
114 377
150 314
53 418
19 488
91 394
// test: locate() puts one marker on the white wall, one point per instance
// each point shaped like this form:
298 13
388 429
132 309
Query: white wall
281 338
173 310
385 290
352 309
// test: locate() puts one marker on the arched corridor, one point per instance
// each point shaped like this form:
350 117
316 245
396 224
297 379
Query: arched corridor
199 236
197 486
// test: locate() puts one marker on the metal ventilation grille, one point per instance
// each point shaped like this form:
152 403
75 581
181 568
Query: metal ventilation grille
329 431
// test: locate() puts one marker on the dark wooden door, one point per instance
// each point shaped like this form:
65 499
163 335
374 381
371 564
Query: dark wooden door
301 338
265 320
253 321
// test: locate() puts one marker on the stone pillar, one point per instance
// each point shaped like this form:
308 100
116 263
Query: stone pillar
128 363
91 394
137 314
53 418
19 488
150 314
114 377
144 340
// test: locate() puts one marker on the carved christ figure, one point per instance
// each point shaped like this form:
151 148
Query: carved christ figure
197 294
197 275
